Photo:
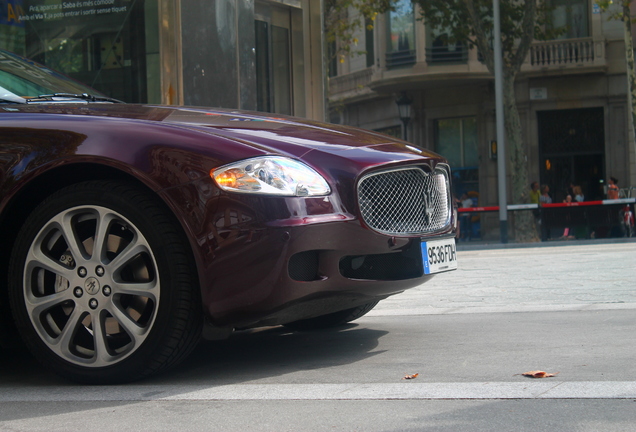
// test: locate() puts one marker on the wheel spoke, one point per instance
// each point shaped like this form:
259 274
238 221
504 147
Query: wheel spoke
134 330
37 259
102 355
149 289
101 234
65 226
131 251
37 305
65 339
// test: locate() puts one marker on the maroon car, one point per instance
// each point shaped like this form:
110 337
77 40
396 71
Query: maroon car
128 232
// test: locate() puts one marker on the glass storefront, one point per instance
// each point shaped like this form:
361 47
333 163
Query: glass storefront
572 151
279 58
457 140
111 45
222 53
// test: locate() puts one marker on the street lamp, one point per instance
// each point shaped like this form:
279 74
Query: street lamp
404 108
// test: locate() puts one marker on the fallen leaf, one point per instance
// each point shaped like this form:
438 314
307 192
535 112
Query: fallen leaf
410 376
539 374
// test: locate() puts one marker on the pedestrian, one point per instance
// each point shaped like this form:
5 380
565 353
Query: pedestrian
465 218
544 199
612 188
457 203
628 221
567 219
534 192
545 195
535 195
578 194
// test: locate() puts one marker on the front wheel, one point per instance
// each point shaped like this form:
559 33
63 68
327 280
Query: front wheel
332 319
102 287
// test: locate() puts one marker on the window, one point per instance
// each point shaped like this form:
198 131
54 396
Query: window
111 46
401 27
332 56
573 15
369 43
456 140
262 66
440 50
281 69
273 68
277 58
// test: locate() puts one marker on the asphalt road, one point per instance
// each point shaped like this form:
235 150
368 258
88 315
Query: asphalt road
568 309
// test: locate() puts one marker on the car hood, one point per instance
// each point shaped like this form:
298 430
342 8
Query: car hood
269 133
291 135
261 127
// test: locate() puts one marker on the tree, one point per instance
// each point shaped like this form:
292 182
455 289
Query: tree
470 22
623 13
341 26
342 20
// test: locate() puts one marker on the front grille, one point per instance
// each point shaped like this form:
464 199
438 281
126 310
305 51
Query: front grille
303 266
406 201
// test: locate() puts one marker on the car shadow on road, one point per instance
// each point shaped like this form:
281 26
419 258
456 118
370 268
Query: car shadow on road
269 352
246 356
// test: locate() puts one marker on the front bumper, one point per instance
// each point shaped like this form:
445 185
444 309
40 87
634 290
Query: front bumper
275 276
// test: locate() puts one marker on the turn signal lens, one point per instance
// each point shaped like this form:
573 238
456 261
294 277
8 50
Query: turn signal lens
226 179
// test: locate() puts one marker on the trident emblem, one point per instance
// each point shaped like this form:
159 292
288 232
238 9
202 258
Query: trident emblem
427 197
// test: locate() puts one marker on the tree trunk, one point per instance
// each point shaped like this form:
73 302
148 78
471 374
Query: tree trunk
629 56
524 224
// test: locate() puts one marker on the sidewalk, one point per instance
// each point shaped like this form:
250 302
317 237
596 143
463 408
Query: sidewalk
485 244
536 277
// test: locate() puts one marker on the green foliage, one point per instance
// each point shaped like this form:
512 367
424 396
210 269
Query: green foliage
617 9
621 12
471 23
340 27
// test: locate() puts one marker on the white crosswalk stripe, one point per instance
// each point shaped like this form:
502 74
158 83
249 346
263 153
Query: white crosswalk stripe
530 389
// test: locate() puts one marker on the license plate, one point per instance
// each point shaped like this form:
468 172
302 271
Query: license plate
439 255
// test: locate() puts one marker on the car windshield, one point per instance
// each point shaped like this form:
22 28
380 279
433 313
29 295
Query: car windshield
21 79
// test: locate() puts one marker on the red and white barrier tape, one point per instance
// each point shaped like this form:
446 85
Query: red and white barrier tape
536 206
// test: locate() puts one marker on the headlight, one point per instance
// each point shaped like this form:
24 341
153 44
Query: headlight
270 175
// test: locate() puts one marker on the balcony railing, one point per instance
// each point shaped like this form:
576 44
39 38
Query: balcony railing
354 81
397 59
447 54
562 53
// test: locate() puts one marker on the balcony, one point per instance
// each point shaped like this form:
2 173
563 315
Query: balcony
569 53
352 84
460 65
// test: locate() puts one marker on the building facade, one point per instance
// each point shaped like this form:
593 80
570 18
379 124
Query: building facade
246 54
571 94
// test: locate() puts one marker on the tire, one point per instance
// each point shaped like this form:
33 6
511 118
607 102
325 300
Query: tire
120 311
333 319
